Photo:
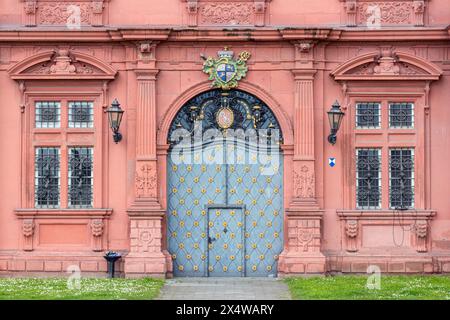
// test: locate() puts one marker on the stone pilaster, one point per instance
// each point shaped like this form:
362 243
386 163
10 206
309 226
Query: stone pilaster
30 8
302 250
146 254
97 13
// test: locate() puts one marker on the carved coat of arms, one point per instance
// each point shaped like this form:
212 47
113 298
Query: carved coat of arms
226 71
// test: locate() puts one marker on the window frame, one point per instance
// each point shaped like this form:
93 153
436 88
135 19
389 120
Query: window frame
412 178
357 126
64 138
383 138
413 120
380 180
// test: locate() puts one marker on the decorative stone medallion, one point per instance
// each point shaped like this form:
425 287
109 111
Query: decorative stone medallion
225 117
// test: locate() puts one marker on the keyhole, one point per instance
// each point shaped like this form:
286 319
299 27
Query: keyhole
225 230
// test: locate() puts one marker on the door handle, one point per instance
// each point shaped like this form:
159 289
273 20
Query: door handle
211 240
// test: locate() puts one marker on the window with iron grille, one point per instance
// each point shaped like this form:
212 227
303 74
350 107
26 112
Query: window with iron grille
47 177
80 177
401 178
368 115
368 178
401 115
81 114
47 114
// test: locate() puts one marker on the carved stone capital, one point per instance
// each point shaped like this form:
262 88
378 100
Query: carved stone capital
30 6
97 6
419 12
351 10
147 51
192 6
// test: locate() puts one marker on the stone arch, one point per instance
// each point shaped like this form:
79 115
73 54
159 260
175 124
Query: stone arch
283 120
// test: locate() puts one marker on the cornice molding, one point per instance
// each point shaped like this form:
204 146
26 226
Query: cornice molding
89 34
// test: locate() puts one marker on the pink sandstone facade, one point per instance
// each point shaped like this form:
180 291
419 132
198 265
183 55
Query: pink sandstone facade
305 54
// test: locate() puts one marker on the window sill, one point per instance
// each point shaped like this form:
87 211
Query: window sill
384 214
63 213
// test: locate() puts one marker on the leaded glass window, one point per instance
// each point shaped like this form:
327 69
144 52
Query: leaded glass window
80 177
47 177
401 115
47 114
81 114
368 178
368 115
401 178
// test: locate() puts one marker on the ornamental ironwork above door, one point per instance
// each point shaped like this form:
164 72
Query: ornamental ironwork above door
225 199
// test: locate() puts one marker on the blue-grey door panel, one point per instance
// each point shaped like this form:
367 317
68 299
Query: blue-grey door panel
225 241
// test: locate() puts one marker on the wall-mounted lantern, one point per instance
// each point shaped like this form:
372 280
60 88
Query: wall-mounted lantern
115 114
335 116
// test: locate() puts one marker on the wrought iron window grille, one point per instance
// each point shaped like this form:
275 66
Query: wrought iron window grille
368 115
47 178
401 178
401 115
47 114
80 177
368 178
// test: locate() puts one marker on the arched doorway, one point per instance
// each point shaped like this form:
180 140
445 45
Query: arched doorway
225 195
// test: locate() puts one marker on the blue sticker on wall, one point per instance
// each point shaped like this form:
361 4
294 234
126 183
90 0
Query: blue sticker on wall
332 162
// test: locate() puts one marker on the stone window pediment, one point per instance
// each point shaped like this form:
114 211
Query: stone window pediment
62 64
387 65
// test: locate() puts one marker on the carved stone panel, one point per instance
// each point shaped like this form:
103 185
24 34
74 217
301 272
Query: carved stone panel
421 230
97 226
28 232
304 183
238 12
71 13
351 232
380 13
304 235
146 180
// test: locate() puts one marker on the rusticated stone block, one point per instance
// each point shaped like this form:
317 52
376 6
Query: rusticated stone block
359 267
3 265
89 266
414 267
396 267
297 268
52 266
446 267
315 268
17 265
35 265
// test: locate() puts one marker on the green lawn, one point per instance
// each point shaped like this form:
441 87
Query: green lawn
89 289
354 287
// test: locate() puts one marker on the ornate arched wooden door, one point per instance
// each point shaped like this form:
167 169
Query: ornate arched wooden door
225 192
